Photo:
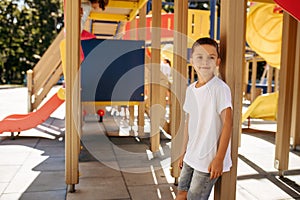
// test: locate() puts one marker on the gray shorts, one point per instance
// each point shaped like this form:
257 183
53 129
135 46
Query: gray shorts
196 183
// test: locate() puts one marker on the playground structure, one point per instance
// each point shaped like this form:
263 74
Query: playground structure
22 122
288 111
264 22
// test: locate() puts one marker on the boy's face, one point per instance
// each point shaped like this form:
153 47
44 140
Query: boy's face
205 60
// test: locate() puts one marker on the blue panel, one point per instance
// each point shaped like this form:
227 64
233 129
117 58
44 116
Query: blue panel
113 70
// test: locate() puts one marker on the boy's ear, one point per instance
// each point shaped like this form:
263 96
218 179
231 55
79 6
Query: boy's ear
218 61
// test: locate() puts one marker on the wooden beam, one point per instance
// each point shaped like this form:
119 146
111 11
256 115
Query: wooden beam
135 11
29 89
263 1
276 77
108 17
296 99
133 6
73 112
270 79
122 4
253 79
232 46
133 32
133 36
178 87
285 98
246 77
142 23
142 36
155 107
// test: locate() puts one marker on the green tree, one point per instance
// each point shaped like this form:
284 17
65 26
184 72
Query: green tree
27 29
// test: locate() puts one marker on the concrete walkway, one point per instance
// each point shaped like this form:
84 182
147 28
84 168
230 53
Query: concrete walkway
32 165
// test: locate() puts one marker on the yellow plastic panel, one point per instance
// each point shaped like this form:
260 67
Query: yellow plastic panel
264 32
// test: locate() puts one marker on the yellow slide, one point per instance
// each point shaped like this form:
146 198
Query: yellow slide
264 33
263 107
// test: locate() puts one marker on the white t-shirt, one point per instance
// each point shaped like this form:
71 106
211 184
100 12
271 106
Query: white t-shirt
204 106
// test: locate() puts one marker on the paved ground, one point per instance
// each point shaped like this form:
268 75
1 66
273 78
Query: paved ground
32 165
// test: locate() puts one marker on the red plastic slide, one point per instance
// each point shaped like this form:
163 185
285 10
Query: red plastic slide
21 122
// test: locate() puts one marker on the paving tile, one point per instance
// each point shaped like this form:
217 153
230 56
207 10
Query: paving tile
244 169
149 178
8 172
47 181
52 151
294 161
152 192
10 196
100 189
130 148
51 142
259 189
19 141
21 181
51 164
138 160
53 195
3 185
6 159
58 124
104 156
112 164
34 159
96 169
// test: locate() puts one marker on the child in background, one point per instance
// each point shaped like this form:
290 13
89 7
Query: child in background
87 6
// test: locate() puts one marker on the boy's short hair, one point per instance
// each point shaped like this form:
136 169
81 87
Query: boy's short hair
206 40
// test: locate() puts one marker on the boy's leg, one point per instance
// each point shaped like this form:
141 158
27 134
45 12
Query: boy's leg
201 186
184 182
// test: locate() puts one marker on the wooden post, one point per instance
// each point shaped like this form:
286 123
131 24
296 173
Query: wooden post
276 77
155 108
253 78
270 79
133 36
179 83
29 88
131 115
73 112
142 36
232 45
285 98
296 98
133 32
246 78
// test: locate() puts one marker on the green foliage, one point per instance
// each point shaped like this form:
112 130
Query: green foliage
27 28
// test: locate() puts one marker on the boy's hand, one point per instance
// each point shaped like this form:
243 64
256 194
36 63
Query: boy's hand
215 168
180 163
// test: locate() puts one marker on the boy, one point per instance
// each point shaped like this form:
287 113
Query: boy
206 145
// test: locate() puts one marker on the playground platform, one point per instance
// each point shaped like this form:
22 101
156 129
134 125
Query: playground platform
32 165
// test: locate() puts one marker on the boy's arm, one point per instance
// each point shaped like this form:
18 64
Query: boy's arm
185 141
216 166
